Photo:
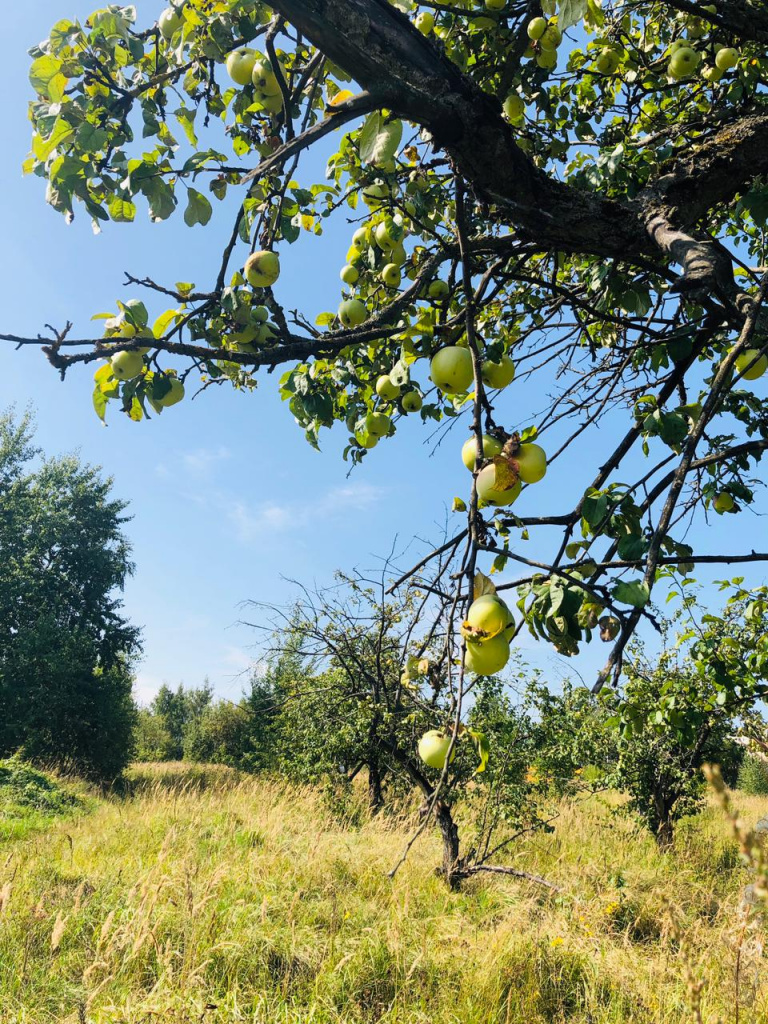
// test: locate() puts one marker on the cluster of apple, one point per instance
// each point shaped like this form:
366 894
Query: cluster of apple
545 37
509 465
129 364
378 424
247 67
486 633
385 235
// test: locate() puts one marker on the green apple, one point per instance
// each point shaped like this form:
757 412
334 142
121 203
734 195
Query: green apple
711 74
547 59
746 359
411 401
498 375
398 255
352 313
169 22
486 488
377 193
723 502
727 58
366 440
240 64
386 388
360 238
514 106
349 274
273 104
386 235
683 62
551 38
173 396
377 424
264 79
696 28
607 61
488 614
425 22
487 658
390 275
495 5
433 749
531 463
438 290
260 314
491 447
126 365
537 28
451 369
262 268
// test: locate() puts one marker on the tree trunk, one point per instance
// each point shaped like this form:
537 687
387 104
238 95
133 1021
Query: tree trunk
375 790
450 835
665 835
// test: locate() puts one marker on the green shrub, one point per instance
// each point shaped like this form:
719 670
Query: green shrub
753 776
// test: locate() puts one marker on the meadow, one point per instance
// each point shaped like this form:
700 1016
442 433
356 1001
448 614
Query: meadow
198 895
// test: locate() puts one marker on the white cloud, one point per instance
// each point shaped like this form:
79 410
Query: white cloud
251 521
198 464
145 687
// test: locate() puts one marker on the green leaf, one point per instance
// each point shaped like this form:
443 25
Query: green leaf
482 746
199 209
122 211
379 139
46 78
570 13
633 592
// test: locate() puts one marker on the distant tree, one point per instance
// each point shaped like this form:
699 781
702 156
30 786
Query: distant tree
65 646
178 711
153 741
221 734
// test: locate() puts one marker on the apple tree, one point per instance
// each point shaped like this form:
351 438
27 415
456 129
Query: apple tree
562 196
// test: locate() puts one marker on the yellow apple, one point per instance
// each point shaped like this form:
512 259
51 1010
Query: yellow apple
486 488
386 388
352 313
752 355
262 269
498 375
390 275
240 65
488 614
264 79
433 749
531 462
126 365
169 23
349 274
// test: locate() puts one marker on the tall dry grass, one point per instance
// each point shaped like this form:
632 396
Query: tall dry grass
207 897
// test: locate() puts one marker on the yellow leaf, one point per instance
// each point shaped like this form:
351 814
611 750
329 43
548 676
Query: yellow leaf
505 477
341 97
483 585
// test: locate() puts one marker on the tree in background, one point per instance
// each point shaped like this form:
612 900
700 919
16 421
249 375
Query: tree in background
65 647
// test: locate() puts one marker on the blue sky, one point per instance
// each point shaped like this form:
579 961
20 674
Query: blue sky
226 496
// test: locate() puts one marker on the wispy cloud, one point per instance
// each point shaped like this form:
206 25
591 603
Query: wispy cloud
250 521
198 463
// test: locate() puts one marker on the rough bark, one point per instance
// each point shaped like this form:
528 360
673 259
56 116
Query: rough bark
377 44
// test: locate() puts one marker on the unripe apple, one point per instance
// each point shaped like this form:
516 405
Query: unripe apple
360 238
390 275
260 314
711 74
537 28
487 658
425 22
386 388
433 749
273 104
169 23
173 396
696 28
352 313
438 290
531 462
488 614
551 38
748 357
377 424
727 58
547 59
451 369
498 375
491 447
374 195
366 440
127 365
411 401
398 255
723 502
514 106
349 274
683 62
487 492
385 234
262 269
607 61
240 65
495 5
264 79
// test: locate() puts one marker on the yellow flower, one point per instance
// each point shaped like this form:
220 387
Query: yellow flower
557 942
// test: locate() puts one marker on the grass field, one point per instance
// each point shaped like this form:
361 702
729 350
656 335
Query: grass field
203 897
